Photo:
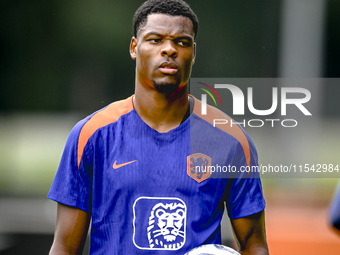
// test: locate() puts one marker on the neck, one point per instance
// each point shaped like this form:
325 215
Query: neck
160 111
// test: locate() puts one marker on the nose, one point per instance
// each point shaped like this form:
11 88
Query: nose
169 49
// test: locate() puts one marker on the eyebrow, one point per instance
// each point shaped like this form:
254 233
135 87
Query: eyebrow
152 33
189 38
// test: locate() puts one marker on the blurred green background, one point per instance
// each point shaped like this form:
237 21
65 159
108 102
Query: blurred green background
62 60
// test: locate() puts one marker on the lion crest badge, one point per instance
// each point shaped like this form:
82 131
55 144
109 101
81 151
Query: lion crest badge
198 166
159 223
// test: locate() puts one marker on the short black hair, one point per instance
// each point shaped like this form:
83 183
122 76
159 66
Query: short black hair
169 7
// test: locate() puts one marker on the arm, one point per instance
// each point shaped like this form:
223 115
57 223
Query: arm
334 211
71 230
251 234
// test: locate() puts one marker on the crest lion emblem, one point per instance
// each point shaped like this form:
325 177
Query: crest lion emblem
166 226
198 166
159 223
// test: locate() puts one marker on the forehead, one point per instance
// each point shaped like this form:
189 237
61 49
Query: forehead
166 24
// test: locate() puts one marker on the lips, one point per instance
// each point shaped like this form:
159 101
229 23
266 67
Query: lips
168 68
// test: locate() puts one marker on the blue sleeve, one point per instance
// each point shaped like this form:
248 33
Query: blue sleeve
244 195
334 215
72 186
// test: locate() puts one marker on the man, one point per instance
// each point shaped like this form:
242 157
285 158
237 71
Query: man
131 167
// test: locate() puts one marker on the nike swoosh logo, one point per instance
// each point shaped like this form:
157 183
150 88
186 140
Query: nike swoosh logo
115 166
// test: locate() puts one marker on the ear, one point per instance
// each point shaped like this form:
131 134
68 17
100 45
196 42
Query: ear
133 48
194 56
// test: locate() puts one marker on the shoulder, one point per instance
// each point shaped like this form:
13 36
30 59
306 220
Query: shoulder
85 128
219 120
105 116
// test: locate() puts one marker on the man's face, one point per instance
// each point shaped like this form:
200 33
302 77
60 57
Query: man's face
164 51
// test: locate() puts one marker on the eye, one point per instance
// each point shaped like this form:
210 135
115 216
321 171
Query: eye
183 43
154 40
